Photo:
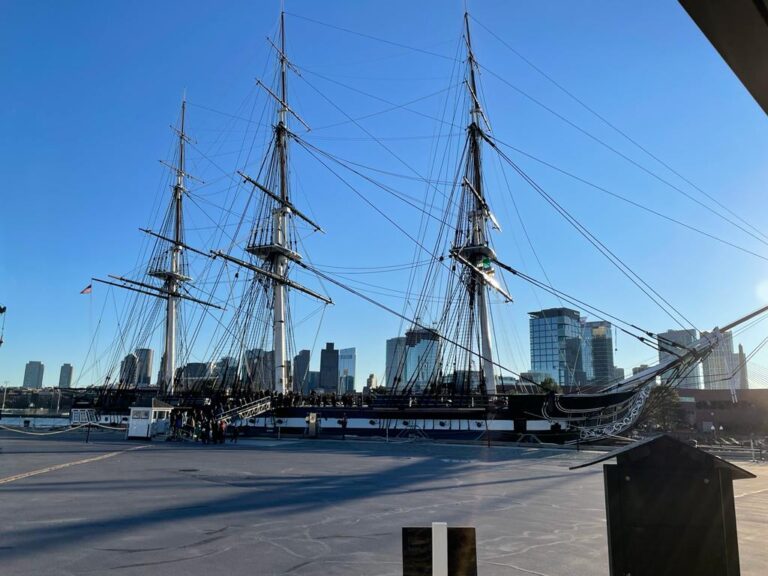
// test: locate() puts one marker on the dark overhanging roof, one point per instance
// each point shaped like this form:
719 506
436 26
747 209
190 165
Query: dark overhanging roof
675 451
738 29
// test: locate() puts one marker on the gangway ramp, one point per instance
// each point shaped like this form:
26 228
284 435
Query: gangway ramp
250 410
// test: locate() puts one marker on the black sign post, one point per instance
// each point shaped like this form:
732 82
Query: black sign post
670 510
418 553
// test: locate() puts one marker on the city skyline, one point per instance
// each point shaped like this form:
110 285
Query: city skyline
693 128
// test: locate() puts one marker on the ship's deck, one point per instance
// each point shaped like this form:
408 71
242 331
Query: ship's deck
305 507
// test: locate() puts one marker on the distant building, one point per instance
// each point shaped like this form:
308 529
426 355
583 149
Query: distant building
161 371
618 374
556 345
258 369
742 365
301 371
65 376
599 366
371 382
144 358
329 368
128 369
225 371
422 354
506 383
347 360
637 369
33 374
671 344
721 367
313 380
395 362
195 373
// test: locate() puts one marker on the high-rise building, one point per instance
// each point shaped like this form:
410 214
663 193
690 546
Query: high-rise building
719 366
144 358
422 354
161 370
65 376
313 380
556 345
671 344
395 362
258 369
301 371
598 353
347 370
225 371
329 368
33 374
194 373
371 382
742 369
128 369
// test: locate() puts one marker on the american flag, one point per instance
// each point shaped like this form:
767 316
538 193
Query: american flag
87 290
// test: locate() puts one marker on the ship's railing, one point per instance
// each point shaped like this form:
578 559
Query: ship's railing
250 410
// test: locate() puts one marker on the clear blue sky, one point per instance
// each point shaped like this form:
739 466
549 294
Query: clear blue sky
90 87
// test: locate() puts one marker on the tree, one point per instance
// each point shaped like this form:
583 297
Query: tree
662 409
549 385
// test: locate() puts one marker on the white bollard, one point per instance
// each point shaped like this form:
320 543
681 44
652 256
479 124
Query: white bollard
439 549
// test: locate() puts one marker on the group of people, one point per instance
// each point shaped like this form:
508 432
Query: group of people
290 398
201 425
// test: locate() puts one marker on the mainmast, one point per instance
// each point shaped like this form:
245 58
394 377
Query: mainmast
278 327
476 252
173 275
276 250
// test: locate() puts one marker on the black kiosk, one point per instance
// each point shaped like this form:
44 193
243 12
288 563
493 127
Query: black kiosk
670 510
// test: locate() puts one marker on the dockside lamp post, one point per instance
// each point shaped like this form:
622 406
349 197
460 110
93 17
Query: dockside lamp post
670 510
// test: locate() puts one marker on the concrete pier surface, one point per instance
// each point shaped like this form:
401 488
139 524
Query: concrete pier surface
307 507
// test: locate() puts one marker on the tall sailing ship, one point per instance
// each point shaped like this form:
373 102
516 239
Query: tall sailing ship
451 389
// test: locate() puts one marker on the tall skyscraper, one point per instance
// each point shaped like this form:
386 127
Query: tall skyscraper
670 343
33 374
65 376
422 353
722 368
225 370
395 362
371 382
258 370
313 380
346 370
742 373
128 369
329 368
144 367
301 371
556 345
599 343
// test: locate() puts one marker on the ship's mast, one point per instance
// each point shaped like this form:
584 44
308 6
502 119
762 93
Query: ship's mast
277 252
280 236
174 277
479 253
